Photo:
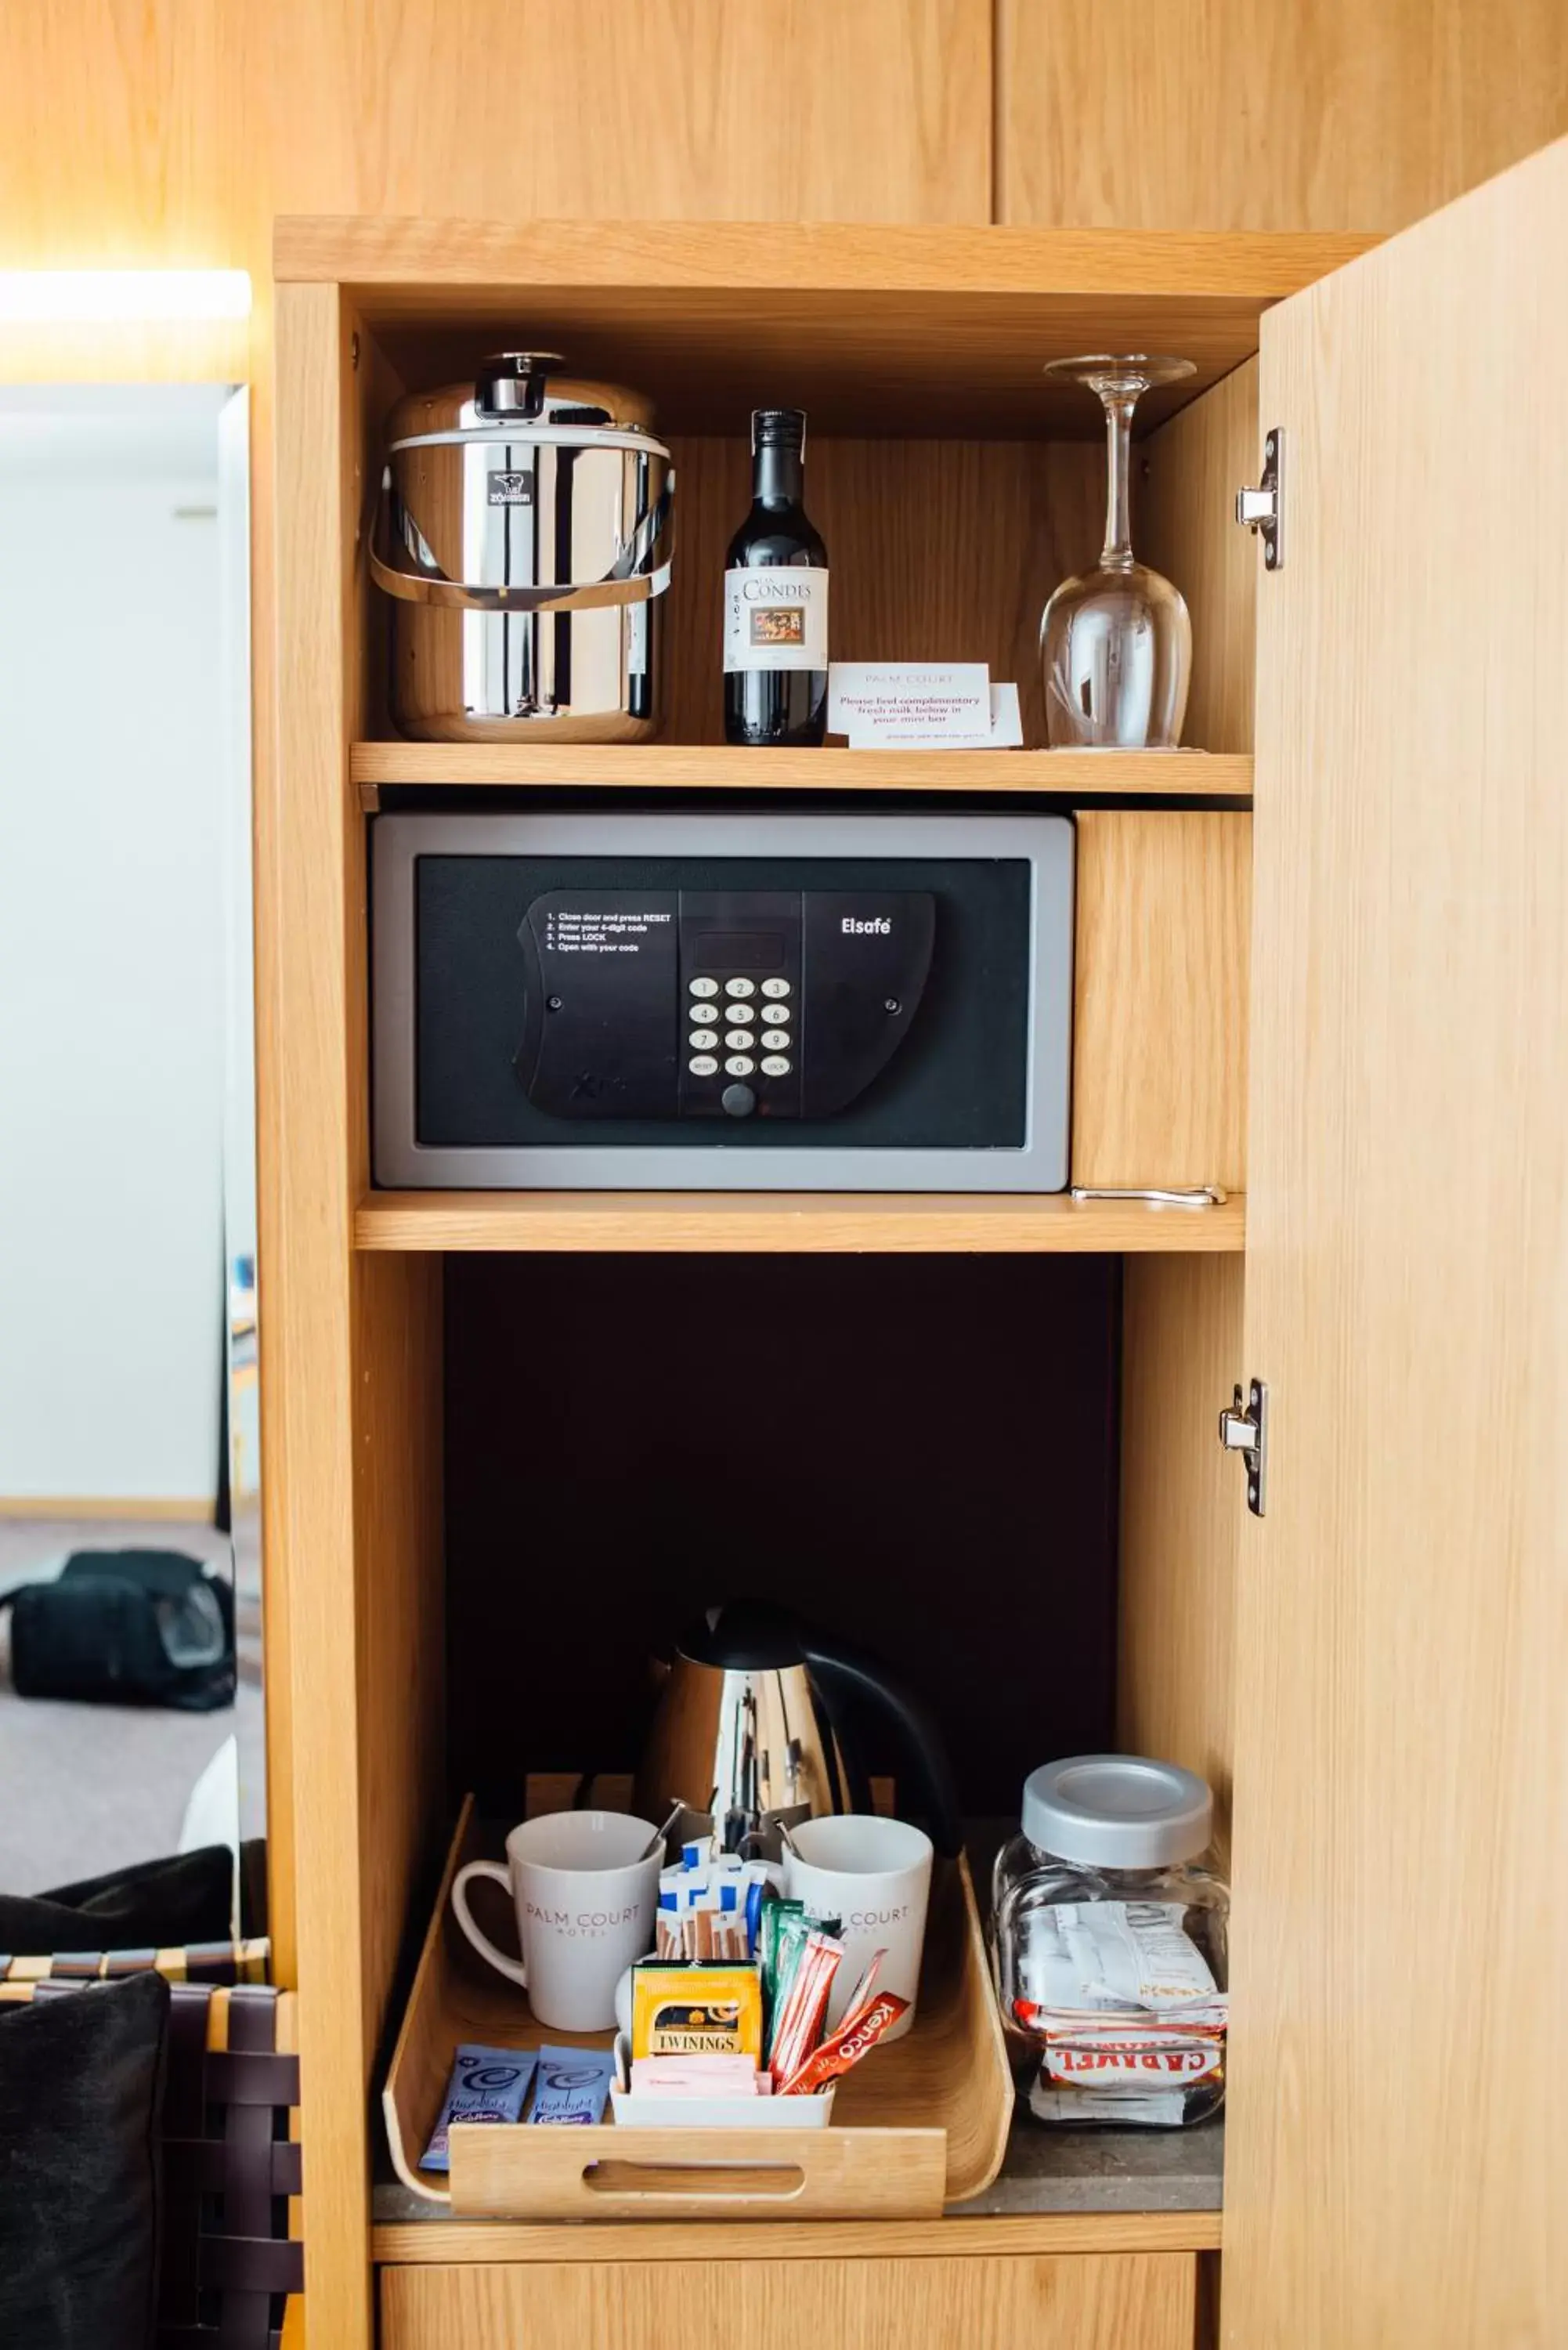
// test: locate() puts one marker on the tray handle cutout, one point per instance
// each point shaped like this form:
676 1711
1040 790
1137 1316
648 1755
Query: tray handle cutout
682 2185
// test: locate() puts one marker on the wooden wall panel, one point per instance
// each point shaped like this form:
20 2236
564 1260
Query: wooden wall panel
1183 1501
312 1497
1184 523
1267 114
164 132
352 1440
1159 1017
128 135
399 1611
805 109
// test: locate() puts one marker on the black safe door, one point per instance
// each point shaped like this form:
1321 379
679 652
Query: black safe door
574 1000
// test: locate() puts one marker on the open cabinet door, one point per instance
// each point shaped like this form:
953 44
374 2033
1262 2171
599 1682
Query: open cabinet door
1395 2166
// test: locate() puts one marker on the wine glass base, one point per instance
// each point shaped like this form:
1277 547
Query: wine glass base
1121 374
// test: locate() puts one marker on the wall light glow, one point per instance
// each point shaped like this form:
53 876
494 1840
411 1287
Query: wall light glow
58 294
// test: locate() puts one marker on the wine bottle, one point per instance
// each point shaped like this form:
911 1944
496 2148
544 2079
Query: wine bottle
775 598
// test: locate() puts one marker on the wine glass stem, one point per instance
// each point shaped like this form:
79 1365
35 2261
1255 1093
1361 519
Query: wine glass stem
1117 555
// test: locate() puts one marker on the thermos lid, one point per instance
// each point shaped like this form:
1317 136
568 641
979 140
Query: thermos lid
513 383
1117 1811
519 388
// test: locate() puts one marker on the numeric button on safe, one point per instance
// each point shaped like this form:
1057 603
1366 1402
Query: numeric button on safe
775 987
740 987
739 1040
703 1064
775 1065
701 1040
704 987
739 1065
775 1040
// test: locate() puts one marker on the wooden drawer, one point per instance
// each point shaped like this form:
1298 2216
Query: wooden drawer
1124 2300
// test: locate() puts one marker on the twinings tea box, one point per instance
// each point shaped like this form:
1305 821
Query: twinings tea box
697 2010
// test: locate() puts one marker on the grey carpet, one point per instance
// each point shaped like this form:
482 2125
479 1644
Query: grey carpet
88 1788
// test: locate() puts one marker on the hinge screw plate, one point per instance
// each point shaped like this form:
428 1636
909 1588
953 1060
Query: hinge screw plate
1244 1428
1262 509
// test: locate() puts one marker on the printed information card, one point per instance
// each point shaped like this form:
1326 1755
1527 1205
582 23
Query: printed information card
922 705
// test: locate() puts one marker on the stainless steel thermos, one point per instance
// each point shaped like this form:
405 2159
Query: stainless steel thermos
525 527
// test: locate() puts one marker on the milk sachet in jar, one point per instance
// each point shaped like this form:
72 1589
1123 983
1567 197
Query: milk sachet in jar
1108 1944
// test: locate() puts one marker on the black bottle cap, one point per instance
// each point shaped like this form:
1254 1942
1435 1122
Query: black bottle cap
778 428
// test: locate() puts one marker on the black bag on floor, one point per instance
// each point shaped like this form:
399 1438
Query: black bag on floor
126 1628
154 1905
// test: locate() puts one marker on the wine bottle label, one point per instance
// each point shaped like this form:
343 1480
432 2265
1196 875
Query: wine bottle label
775 617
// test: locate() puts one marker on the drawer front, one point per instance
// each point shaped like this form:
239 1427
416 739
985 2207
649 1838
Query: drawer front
1125 2301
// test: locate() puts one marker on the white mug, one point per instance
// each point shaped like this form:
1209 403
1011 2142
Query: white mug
584 1886
875 1876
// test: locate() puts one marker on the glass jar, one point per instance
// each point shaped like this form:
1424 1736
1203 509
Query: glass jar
1107 1943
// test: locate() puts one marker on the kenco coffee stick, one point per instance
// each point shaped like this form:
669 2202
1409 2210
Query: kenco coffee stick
848 2044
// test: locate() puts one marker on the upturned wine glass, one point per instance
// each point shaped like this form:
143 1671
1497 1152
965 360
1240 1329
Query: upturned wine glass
1115 646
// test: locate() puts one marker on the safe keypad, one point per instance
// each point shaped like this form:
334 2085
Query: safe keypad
738 1012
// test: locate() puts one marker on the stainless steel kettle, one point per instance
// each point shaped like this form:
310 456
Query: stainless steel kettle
756 1724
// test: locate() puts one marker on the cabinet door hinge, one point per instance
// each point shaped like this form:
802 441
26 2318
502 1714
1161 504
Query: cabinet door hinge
1263 509
1244 1428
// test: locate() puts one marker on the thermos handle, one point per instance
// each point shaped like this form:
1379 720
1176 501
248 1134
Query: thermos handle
845 1672
402 565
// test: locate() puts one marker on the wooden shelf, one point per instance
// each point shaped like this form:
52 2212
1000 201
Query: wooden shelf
469 2242
1078 775
789 1222
899 329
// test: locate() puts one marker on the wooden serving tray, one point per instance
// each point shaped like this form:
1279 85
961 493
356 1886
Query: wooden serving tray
915 2125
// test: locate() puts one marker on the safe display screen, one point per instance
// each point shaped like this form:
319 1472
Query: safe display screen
736 951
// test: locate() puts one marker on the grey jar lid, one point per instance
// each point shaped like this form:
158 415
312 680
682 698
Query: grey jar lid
1117 1811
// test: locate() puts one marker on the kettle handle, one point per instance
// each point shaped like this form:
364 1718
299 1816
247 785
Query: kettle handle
856 1679
402 565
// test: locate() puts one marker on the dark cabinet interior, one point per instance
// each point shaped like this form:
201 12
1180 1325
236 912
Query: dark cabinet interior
918 1453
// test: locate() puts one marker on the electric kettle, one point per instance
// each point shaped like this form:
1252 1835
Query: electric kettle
755 1725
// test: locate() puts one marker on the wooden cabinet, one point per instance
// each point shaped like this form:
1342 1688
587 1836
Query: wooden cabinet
1126 2301
1368 1674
